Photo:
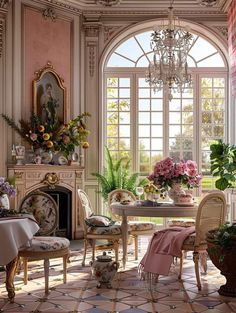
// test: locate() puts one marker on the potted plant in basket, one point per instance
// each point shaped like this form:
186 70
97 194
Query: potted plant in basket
221 246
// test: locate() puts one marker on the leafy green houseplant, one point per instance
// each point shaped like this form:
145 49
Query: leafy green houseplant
116 175
221 246
223 164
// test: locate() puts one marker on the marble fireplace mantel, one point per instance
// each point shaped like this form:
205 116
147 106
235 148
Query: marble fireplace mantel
30 177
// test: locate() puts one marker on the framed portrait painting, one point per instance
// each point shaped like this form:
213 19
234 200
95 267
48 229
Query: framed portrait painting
49 96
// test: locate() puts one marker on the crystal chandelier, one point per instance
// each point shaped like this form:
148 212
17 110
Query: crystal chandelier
170 44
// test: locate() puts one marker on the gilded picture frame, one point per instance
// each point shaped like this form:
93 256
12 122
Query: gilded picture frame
49 95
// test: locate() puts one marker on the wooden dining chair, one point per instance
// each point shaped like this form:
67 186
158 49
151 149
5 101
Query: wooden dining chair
211 214
136 228
103 230
43 246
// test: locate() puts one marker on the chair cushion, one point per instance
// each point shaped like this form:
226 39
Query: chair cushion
99 221
111 230
48 244
139 226
181 223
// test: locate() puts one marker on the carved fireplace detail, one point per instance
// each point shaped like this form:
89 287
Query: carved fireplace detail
52 179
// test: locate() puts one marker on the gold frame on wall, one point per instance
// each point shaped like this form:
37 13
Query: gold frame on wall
49 83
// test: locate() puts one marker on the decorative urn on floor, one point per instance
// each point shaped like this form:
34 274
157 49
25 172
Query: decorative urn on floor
104 270
221 247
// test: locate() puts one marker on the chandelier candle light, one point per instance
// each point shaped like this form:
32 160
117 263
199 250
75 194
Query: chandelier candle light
170 44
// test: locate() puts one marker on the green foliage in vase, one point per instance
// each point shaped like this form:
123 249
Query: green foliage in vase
223 164
50 136
116 175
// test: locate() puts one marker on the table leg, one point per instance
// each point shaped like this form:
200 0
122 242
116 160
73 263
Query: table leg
124 227
10 274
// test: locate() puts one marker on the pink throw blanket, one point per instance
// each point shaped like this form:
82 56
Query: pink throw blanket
164 245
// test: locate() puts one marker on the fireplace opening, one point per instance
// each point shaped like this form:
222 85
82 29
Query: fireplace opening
62 196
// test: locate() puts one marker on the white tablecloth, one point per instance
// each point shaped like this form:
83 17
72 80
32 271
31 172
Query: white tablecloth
14 234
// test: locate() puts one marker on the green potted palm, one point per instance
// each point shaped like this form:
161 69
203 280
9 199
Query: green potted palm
117 175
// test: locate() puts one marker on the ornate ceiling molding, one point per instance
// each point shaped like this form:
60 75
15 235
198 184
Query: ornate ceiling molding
110 31
49 13
223 30
208 3
4 4
108 3
65 5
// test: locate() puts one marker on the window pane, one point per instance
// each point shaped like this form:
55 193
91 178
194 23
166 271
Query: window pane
144 104
174 118
119 61
124 131
144 118
130 49
144 131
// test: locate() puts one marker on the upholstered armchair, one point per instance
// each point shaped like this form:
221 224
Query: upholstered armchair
136 228
42 246
96 228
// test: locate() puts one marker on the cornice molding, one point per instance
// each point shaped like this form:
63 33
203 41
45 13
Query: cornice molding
60 4
108 3
49 13
4 4
158 13
224 5
223 31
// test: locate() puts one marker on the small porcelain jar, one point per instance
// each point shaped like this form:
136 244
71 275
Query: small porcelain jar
104 270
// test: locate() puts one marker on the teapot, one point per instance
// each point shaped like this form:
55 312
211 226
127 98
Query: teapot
104 269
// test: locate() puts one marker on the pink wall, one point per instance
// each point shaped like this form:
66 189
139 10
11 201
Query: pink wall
45 40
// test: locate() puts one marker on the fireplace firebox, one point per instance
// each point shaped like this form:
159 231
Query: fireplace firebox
61 182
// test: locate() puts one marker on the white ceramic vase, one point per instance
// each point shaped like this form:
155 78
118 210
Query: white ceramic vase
175 191
4 202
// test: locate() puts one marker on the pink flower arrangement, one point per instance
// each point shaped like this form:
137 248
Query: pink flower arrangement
166 173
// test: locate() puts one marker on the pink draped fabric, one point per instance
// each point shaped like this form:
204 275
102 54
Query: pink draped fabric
164 245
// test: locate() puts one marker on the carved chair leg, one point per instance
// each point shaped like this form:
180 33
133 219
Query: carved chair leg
196 263
136 247
46 274
65 257
116 248
93 249
181 261
25 269
85 251
203 261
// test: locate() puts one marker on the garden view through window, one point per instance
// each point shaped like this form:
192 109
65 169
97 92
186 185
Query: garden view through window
145 126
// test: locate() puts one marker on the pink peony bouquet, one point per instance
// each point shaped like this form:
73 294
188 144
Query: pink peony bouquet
166 173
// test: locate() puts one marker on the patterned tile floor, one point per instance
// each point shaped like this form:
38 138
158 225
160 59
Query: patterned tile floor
128 295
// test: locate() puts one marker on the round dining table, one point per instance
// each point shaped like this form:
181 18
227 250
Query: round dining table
15 233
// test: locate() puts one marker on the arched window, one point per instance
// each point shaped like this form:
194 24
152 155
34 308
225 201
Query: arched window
145 125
